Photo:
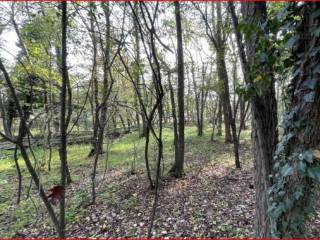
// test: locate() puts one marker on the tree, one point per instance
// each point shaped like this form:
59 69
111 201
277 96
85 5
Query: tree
107 86
63 117
297 169
180 94
137 73
263 107
175 123
96 148
200 93
23 131
218 34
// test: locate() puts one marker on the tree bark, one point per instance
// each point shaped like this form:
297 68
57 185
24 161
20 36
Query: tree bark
180 94
107 86
5 117
63 123
15 157
198 100
301 132
175 124
229 119
95 88
264 116
219 119
139 114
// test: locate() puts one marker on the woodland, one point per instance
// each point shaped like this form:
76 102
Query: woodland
159 119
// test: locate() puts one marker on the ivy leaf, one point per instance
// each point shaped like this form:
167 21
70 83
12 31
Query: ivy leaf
298 193
310 83
257 79
307 156
263 58
287 170
292 41
301 166
314 173
309 98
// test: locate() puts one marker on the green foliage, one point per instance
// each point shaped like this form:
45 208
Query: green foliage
275 40
301 162
34 71
293 200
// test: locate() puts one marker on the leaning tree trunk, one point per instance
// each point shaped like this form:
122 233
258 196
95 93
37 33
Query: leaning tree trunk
4 115
298 153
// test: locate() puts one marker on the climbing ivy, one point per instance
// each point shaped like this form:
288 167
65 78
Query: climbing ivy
272 59
291 204
296 169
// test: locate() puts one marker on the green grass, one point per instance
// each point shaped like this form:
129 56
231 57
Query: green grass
14 217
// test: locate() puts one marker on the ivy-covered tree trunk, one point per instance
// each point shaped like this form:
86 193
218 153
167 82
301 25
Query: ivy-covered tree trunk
264 112
298 166
263 107
264 138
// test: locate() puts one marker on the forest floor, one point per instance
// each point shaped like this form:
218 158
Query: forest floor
213 199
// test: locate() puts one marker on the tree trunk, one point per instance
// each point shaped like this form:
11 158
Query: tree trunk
203 98
180 94
214 120
63 124
229 119
15 157
175 125
68 104
137 72
226 119
197 99
5 117
107 86
219 119
298 149
264 117
242 113
95 105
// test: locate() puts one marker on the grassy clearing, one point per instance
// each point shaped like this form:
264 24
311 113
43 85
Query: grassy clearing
121 151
